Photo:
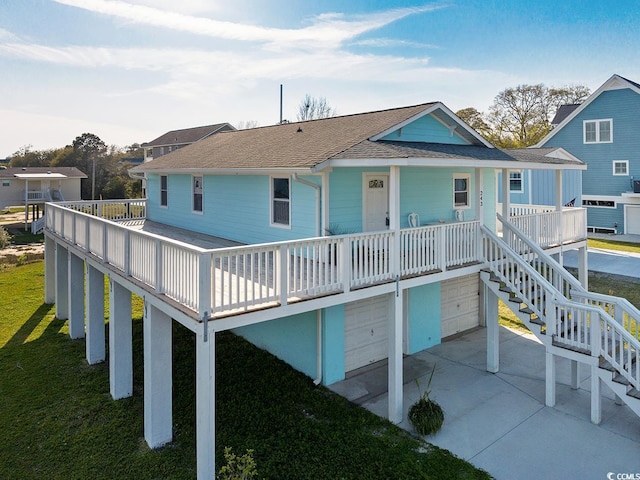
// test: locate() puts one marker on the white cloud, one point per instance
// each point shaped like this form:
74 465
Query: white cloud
393 42
7 36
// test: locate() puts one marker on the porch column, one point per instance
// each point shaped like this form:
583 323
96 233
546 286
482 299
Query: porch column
479 196
575 375
76 296
395 360
325 202
157 376
94 305
493 329
583 269
26 204
559 190
596 400
62 282
506 194
49 270
550 379
205 406
120 342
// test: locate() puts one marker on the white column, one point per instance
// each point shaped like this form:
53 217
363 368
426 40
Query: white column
49 270
395 360
325 202
493 329
550 380
120 342
62 282
583 269
94 305
205 406
558 179
506 194
76 296
157 377
575 375
596 400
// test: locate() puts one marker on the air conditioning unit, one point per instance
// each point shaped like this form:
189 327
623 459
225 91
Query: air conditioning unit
636 186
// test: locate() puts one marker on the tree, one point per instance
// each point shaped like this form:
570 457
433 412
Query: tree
90 147
247 124
312 108
521 116
25 157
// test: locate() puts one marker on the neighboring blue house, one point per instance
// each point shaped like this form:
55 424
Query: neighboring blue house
604 132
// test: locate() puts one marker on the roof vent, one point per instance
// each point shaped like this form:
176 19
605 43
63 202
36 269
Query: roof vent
24 169
299 130
48 172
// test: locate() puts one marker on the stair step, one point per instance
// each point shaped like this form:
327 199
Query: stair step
604 364
516 299
620 379
526 310
506 289
569 347
537 321
634 393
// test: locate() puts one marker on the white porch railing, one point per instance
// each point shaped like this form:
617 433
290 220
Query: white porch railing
225 281
36 196
548 227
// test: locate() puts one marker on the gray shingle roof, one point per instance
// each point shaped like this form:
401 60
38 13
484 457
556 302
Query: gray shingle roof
563 112
70 172
187 135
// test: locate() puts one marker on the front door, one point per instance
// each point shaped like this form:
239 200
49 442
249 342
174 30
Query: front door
375 210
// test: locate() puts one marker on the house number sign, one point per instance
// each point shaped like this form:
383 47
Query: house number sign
377 183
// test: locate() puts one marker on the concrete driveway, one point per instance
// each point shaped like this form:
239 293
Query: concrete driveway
499 421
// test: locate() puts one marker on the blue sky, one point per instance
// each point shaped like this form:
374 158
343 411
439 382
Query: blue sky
130 70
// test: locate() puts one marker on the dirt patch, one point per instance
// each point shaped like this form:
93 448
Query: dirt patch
15 254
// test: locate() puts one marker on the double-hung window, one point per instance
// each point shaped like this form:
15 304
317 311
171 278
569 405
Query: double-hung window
197 194
621 167
164 190
515 182
280 201
598 131
461 190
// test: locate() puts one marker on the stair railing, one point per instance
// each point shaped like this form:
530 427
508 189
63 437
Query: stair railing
619 308
579 326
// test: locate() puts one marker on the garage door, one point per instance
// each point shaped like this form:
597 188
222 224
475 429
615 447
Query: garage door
460 304
632 214
366 331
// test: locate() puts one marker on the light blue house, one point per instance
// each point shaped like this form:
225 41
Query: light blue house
603 133
334 244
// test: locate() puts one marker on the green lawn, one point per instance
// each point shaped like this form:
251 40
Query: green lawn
612 245
57 420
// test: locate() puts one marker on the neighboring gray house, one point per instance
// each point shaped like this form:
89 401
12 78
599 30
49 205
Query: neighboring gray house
176 139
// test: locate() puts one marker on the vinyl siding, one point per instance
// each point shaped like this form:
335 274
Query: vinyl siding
425 129
424 317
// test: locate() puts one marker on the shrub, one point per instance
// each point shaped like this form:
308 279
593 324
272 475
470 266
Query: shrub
5 238
426 415
238 468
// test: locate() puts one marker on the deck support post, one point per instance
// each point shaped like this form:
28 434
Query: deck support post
596 399
493 329
205 406
76 296
62 282
583 269
49 270
395 360
120 342
94 304
158 419
550 379
575 375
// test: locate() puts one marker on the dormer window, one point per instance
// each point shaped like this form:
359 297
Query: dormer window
598 131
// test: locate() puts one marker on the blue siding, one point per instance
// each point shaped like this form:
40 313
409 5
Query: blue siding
332 344
606 217
236 207
425 129
542 188
622 106
424 317
292 339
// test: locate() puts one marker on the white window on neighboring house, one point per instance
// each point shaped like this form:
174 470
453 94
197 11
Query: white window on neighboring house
621 167
598 131
280 201
6 183
461 190
515 182
164 191
197 194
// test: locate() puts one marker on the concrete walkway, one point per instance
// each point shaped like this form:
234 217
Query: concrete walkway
499 421
607 261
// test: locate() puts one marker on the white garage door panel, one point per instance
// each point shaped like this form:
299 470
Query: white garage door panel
632 214
366 331
460 305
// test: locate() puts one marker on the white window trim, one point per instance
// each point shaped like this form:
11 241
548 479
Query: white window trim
521 190
457 176
193 210
604 198
597 121
272 199
626 168
160 191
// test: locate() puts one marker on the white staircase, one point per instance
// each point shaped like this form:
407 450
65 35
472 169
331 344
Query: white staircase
597 330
